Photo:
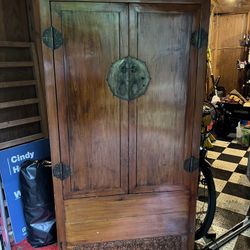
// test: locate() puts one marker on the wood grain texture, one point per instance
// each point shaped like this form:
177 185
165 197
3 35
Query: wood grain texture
21 140
11 104
13 21
248 22
237 26
92 121
35 36
17 94
19 122
20 87
126 217
12 54
12 134
198 103
158 119
13 74
236 6
45 17
99 136
230 76
39 91
226 49
17 44
19 112
15 64
13 84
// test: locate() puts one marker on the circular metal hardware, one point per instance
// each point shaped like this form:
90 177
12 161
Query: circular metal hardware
52 38
128 78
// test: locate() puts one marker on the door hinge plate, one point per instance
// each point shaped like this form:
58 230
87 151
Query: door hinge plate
61 171
199 38
52 38
191 164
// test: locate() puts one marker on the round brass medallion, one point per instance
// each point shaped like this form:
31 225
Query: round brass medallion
128 78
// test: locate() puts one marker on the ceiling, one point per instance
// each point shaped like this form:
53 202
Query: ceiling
231 6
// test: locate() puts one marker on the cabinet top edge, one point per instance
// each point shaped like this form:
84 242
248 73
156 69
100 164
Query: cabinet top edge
134 1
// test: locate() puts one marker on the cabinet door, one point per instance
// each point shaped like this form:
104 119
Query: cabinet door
92 122
162 121
128 188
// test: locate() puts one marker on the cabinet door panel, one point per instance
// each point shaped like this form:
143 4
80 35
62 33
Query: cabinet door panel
161 37
92 122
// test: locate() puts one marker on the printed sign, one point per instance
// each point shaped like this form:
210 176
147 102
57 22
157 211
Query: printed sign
10 161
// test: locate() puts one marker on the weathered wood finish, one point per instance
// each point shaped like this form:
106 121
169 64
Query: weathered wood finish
35 35
127 185
158 126
225 46
13 21
126 217
93 123
235 6
49 76
200 73
22 109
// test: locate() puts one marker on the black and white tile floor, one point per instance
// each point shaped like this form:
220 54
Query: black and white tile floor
229 166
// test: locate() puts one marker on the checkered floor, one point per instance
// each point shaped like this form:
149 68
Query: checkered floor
229 161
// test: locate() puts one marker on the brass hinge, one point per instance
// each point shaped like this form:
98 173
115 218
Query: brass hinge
61 171
52 38
199 38
191 164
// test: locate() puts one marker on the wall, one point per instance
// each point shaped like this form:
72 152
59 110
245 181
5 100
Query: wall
35 34
231 6
228 25
22 110
13 21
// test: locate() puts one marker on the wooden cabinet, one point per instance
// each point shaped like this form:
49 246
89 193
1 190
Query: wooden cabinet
128 188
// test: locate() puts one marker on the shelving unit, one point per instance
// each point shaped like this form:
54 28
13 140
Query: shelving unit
22 108
5 228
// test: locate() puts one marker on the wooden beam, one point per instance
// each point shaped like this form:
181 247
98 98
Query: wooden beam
29 138
16 64
19 122
13 84
18 103
39 91
9 44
